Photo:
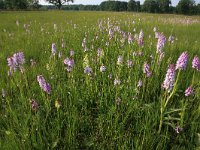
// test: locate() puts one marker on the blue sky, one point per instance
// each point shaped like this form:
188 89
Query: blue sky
95 2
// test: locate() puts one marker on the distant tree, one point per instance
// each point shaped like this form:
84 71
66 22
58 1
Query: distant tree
2 4
59 3
151 6
138 6
198 9
17 4
164 5
131 5
113 6
34 4
185 6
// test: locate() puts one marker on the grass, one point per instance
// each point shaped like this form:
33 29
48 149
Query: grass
87 111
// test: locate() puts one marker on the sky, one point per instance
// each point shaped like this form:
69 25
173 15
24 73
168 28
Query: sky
97 2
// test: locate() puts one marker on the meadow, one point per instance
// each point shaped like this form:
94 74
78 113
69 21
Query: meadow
99 80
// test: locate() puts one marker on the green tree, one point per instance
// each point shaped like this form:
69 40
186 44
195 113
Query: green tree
185 6
164 5
151 6
17 4
113 6
137 6
2 4
131 5
59 3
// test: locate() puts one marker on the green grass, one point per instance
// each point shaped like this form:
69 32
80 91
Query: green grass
88 116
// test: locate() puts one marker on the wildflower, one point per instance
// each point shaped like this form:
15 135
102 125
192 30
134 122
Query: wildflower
118 101
63 45
34 105
107 43
57 104
55 27
119 60
43 84
146 69
111 34
178 129
129 63
182 61
69 63
196 63
171 39
60 54
134 54
169 78
32 62
110 76
189 91
53 48
9 73
154 29
11 64
16 61
130 38
161 56
100 52
139 83
3 93
161 43
88 70
140 53
84 44
117 81
17 22
156 35
102 68
71 53
140 38
141 35
19 58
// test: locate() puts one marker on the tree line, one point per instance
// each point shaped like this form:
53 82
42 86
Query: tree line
151 6
19 4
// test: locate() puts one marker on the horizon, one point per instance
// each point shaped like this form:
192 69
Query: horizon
98 2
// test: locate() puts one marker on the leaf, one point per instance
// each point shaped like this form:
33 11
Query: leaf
171 118
172 111
55 143
8 132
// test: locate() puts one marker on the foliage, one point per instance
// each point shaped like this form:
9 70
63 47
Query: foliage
185 6
113 6
59 3
164 5
133 6
19 4
151 6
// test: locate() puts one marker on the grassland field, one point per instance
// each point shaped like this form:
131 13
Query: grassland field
96 80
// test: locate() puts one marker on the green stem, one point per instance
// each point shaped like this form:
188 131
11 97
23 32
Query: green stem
173 91
162 109
193 78
161 119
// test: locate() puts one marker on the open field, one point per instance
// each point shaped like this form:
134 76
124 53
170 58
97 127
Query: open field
99 80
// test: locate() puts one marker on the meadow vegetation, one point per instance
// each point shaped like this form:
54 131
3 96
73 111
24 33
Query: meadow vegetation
99 80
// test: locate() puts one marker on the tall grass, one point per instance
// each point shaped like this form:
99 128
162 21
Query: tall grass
98 109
